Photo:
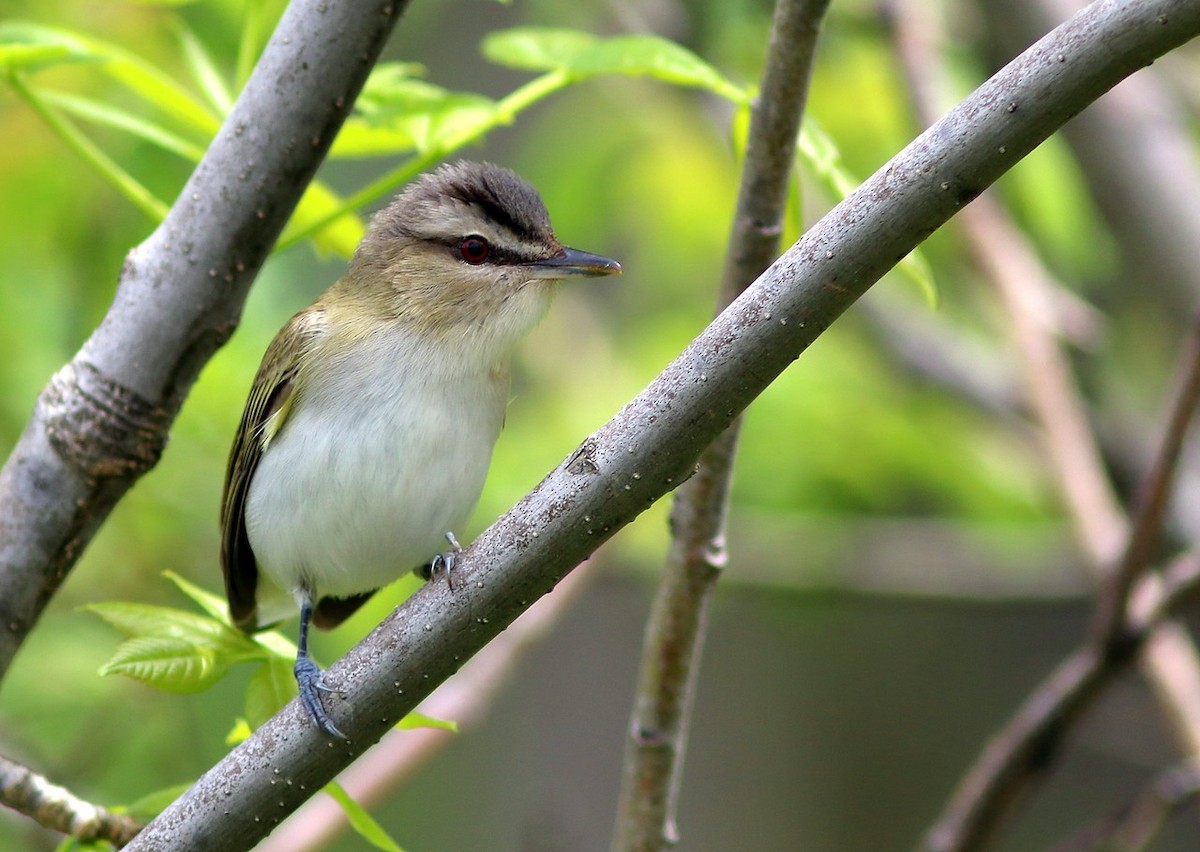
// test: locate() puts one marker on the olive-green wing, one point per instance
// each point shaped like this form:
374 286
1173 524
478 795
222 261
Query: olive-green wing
266 411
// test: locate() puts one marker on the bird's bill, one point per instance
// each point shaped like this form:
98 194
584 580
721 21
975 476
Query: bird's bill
570 262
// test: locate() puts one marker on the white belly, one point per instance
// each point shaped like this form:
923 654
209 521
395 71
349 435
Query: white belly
369 472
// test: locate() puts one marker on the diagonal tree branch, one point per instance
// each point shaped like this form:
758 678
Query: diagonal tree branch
654 442
103 420
675 630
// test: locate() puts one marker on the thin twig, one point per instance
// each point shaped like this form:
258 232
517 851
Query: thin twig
1154 496
1026 291
675 630
1140 820
58 809
1026 745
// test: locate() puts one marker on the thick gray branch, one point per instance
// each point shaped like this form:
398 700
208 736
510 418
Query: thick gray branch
653 443
103 420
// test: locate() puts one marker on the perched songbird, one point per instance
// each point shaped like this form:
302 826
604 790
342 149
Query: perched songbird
370 425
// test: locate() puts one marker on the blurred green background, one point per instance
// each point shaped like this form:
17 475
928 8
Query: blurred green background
901 571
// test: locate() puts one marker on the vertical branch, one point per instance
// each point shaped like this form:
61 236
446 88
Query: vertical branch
675 631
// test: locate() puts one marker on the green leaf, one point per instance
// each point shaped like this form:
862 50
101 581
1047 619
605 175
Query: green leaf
89 152
820 152
337 234
239 733
256 27
171 649
360 138
152 804
420 720
136 619
214 605
205 71
659 58
30 48
583 55
74 844
817 148
360 820
536 48
168 663
109 116
143 79
271 687
27 57
422 112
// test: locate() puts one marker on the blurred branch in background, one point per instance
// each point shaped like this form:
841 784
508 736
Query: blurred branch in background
1140 821
60 810
1025 746
1026 290
1125 621
1135 148
658 730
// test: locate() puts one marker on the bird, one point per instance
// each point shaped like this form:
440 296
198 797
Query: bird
369 426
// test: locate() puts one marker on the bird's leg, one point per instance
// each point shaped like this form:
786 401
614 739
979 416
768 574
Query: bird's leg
308 674
442 563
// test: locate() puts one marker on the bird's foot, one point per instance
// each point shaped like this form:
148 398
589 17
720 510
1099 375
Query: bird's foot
308 679
443 563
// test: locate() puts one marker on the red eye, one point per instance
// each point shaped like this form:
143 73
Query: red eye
474 249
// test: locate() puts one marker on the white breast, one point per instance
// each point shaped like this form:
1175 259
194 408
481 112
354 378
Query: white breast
381 455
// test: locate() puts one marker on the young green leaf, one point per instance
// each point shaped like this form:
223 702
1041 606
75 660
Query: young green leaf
817 149
361 138
416 720
425 113
148 620
360 820
109 116
239 733
204 69
637 55
337 233
156 87
28 47
214 605
536 48
271 687
152 804
29 57
89 152
584 55
168 663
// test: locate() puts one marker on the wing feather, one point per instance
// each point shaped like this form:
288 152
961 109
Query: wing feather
266 412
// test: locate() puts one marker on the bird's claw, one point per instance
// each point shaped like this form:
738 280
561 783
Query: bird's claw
443 563
309 681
